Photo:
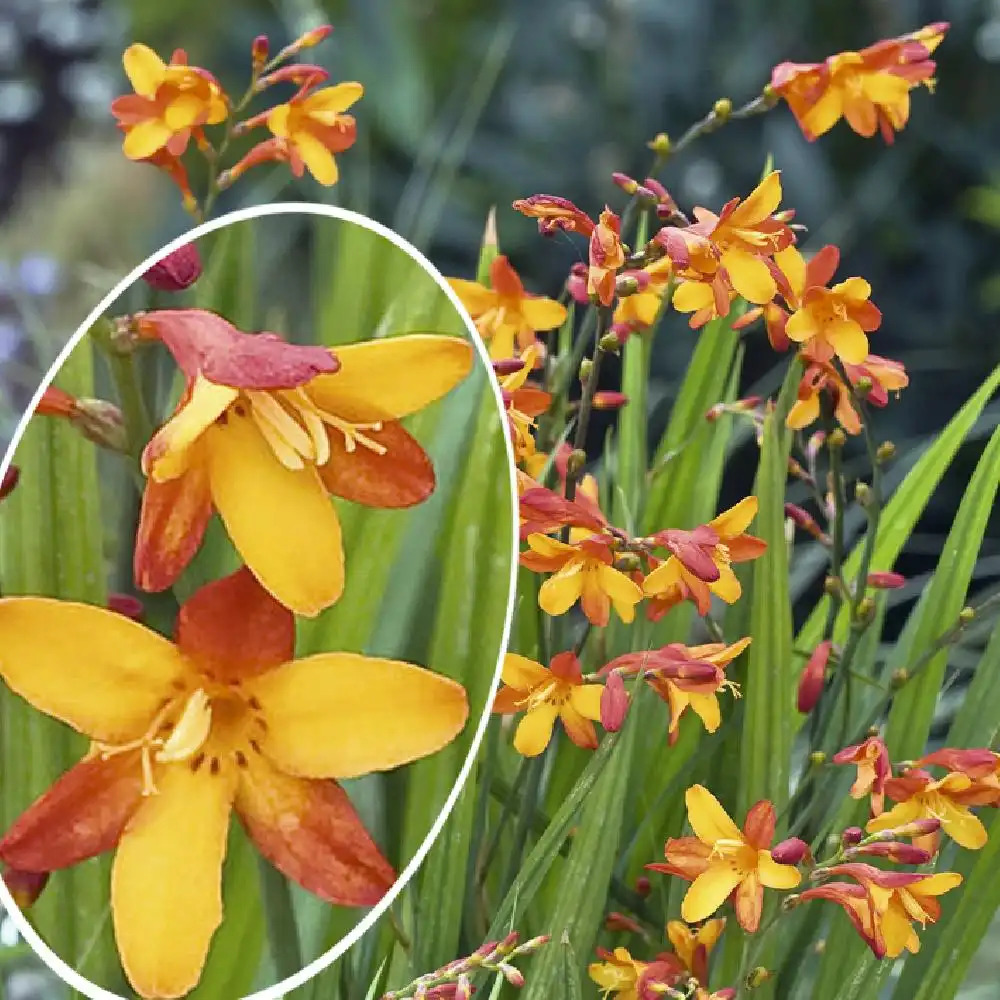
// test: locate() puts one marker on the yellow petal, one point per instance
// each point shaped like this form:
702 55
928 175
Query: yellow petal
825 112
561 591
749 276
281 521
166 455
898 815
542 314
962 826
709 891
523 674
332 100
792 264
95 670
277 120
692 296
316 157
885 88
535 730
853 289
476 298
760 203
727 587
801 326
706 707
848 340
776 876
709 821
144 68
586 699
146 138
736 520
340 715
625 593
166 897
392 377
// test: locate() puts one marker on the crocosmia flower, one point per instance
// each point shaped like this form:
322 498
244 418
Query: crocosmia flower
835 321
266 431
185 733
617 974
506 316
870 89
607 256
523 403
170 100
722 861
313 127
545 695
694 945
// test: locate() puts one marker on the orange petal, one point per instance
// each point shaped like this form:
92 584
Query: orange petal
166 898
401 477
96 670
340 715
280 520
749 902
389 378
311 833
233 629
172 524
80 816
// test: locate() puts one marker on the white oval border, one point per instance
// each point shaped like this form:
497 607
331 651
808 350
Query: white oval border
27 932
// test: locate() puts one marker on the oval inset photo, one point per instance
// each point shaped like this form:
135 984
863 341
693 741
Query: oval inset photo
257 572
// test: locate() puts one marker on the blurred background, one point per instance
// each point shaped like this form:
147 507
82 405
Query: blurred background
470 104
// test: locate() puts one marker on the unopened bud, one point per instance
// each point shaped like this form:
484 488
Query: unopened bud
804 520
610 343
463 988
306 41
10 480
507 366
864 613
813 679
917 828
513 976
900 854
817 758
101 422
791 852
575 461
608 399
864 385
631 282
757 977
25 887
614 703
852 835
836 439
533 944
833 587
660 143
899 678
127 605
626 183
722 108
967 615
56 402
259 52
643 886
615 921
175 272
886 581
628 562
863 494
586 367
885 451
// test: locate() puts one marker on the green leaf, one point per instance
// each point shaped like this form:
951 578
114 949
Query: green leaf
228 283
913 707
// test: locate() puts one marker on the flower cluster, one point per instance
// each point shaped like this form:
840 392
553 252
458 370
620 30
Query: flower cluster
175 106
225 719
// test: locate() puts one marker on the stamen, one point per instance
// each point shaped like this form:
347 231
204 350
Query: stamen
306 411
289 442
191 731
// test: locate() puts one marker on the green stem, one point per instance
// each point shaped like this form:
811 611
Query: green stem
279 916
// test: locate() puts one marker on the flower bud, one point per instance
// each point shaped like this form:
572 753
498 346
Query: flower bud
534 944
660 144
833 587
25 887
626 183
813 678
513 976
576 283
631 282
852 835
864 614
899 678
614 702
643 886
901 854
864 385
56 402
127 605
463 988
886 581
791 852
722 108
586 367
101 422
817 757
836 439
10 480
176 271
917 828
863 494
575 461
259 51
885 451
306 41
758 977
967 615
610 343
607 399
615 921
804 520
628 562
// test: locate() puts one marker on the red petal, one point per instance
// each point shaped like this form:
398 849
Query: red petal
171 526
402 477
310 832
81 815
201 341
233 629
566 667
759 825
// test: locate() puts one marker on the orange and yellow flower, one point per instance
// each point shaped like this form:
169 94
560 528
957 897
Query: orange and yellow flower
693 945
266 431
171 100
506 316
639 311
618 974
523 403
835 321
583 572
545 694
870 89
874 770
313 126
607 257
185 734
722 861
700 563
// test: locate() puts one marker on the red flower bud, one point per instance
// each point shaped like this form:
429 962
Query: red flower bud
176 271
804 520
127 605
10 480
791 852
25 887
56 403
902 854
614 703
616 921
852 835
626 183
607 399
918 828
259 51
643 886
813 678
886 581
508 366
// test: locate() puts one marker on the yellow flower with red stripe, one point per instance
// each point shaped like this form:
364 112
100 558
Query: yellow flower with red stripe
700 561
607 257
170 101
545 695
313 126
506 316
266 431
722 861
639 311
870 89
185 734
